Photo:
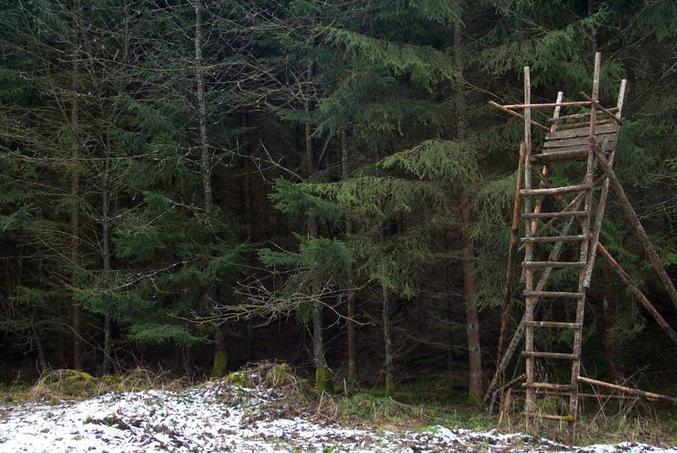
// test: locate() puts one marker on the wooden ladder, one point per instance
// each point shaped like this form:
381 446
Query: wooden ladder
568 140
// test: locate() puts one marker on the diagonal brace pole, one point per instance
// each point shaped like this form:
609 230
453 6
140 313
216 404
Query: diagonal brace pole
637 225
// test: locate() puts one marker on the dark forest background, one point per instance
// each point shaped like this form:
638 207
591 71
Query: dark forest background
194 185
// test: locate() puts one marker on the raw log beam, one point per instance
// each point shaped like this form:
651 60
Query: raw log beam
507 292
517 115
603 109
637 292
546 105
639 229
648 395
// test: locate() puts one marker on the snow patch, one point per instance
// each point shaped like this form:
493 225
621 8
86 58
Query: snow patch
214 417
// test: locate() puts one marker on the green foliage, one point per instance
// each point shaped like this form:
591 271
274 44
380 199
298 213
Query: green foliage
424 66
164 333
451 163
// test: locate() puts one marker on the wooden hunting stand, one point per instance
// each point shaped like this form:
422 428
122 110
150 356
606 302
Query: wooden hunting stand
562 224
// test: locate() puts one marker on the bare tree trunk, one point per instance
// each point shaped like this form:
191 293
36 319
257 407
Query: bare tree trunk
42 361
220 361
76 321
323 378
205 161
350 322
611 351
470 286
105 238
318 341
387 343
471 313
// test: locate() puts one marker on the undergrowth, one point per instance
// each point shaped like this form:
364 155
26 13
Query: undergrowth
55 386
420 405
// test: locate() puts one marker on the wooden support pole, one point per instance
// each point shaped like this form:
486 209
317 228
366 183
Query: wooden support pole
603 197
648 395
529 249
613 116
646 303
517 115
637 225
514 238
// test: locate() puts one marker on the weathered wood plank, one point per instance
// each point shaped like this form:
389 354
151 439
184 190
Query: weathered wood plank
581 131
576 116
579 141
556 155
585 124
605 146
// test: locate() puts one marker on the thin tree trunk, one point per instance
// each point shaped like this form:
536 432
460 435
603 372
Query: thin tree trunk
610 350
318 344
42 361
350 322
470 286
205 161
105 238
252 235
220 360
387 343
471 312
75 194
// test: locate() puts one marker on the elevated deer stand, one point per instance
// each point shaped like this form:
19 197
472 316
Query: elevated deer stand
562 223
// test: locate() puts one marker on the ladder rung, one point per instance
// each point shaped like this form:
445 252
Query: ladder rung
554 190
554 325
549 355
562 418
548 386
579 237
550 215
560 156
554 294
560 264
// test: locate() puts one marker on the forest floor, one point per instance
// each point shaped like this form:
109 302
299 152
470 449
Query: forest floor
226 416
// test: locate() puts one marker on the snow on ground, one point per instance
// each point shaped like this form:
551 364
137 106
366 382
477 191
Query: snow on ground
214 417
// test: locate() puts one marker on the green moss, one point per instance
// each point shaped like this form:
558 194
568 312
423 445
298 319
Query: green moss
220 365
240 378
280 375
323 380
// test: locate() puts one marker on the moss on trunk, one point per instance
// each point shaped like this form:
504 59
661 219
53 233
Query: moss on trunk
323 380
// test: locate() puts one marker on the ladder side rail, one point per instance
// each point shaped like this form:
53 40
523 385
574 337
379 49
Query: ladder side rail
529 249
580 304
601 206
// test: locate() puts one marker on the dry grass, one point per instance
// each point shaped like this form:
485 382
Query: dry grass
604 420
55 386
